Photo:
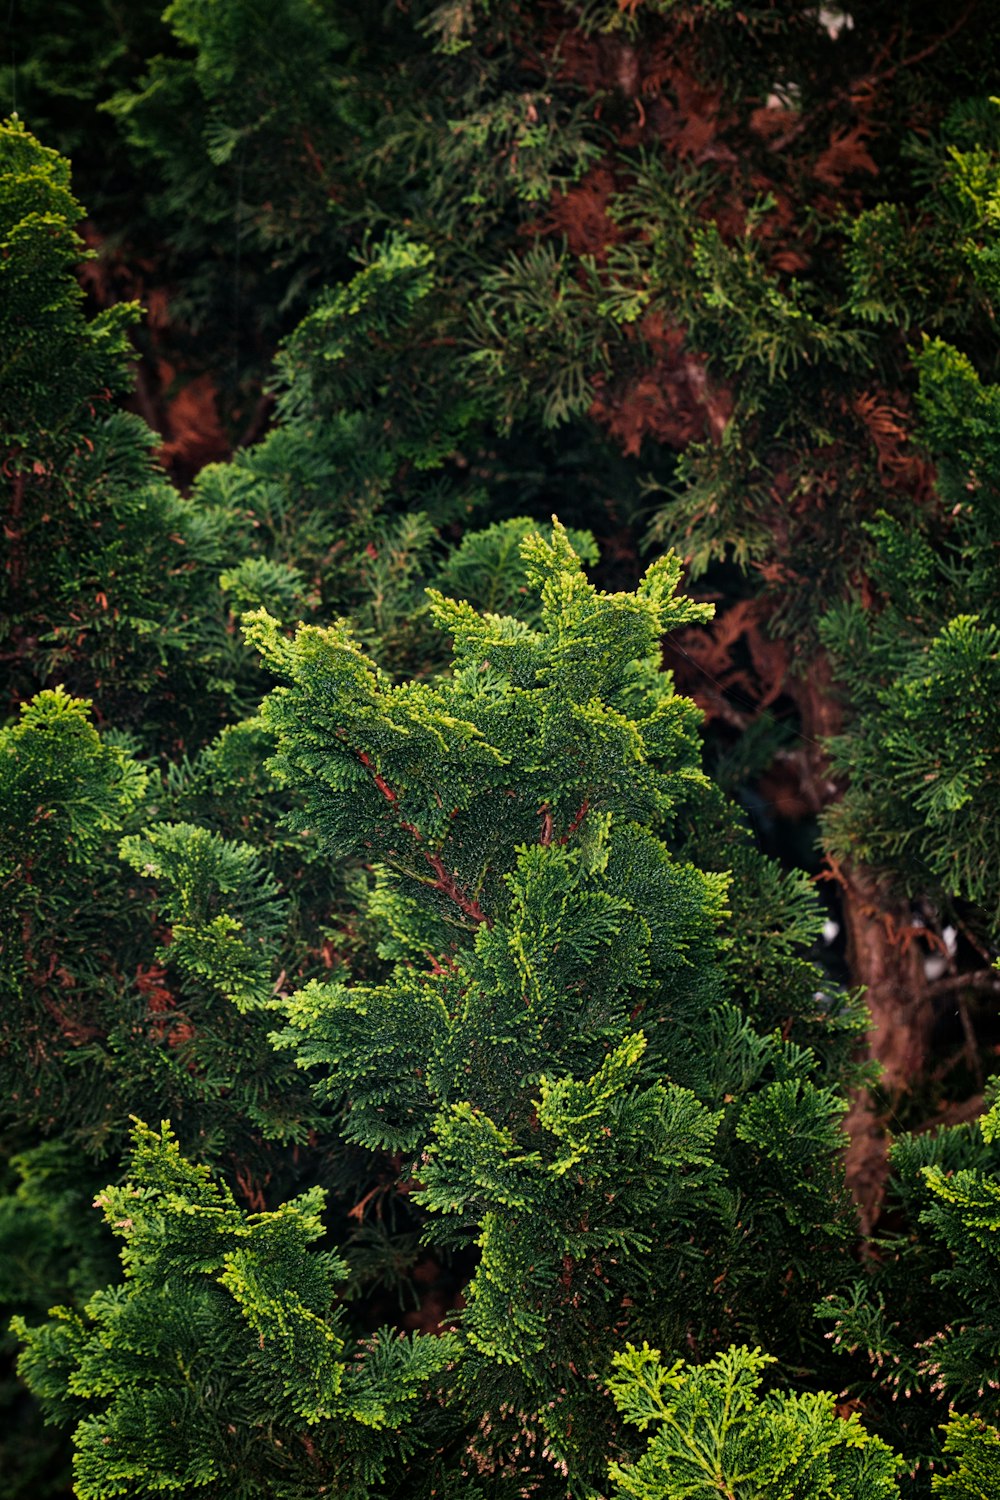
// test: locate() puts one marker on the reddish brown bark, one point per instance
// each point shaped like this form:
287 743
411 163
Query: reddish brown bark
899 1037
882 957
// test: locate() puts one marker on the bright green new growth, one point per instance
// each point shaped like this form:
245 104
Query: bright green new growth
715 1436
974 1448
221 1365
62 789
554 707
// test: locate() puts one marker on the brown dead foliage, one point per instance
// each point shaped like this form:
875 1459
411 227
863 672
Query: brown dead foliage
703 661
671 401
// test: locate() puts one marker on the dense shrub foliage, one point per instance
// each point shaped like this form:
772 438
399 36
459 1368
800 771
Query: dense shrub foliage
495 498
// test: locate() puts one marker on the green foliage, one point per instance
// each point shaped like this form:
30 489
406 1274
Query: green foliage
124 589
561 1044
533 917
52 1248
339 349
774 921
204 872
220 124
924 1316
106 561
715 1435
541 692
534 336
793 453
975 1448
485 568
93 1024
546 1066
66 57
56 360
906 261
922 670
62 789
234 1314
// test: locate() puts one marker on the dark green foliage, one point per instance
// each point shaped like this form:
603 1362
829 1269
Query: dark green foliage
203 874
106 561
923 802
123 589
921 667
240 149
549 1065
533 918
63 59
774 919
56 359
52 1248
925 1313
566 1071
52 1244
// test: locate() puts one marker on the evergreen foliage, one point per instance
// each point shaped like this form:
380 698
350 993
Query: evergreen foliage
495 1048
715 1435
922 803
550 1062
219 122
229 1314
924 1315
58 359
975 1448
94 1022
106 560
131 587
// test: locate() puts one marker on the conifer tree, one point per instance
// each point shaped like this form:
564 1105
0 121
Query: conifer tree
106 560
221 1365
87 954
549 1064
921 805
704 232
918 654
115 947
112 587
716 238
923 1315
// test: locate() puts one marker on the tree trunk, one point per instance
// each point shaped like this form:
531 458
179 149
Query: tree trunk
899 1038
882 958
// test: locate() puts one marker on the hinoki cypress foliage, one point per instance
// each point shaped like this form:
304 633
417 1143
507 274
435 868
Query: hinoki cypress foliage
922 667
504 1099
715 1434
222 1365
922 1315
550 1067
713 235
107 564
